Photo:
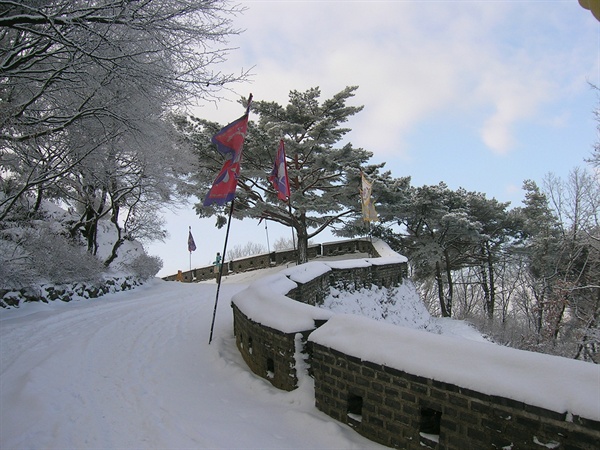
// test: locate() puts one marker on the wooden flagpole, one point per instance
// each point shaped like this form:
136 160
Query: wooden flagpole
212 326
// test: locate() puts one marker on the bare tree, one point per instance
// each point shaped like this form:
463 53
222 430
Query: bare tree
249 249
575 302
60 58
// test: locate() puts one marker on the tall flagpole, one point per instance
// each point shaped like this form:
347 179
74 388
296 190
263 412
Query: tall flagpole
228 143
267 233
191 248
212 325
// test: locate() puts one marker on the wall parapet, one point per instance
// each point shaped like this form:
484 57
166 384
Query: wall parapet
411 389
408 388
278 258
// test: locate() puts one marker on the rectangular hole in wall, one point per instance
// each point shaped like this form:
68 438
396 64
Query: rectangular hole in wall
270 368
429 428
355 406
250 344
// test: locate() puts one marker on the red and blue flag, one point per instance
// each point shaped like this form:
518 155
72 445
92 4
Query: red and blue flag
279 174
229 142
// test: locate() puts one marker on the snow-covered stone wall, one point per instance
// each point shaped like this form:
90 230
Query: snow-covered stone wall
278 258
409 388
268 323
412 389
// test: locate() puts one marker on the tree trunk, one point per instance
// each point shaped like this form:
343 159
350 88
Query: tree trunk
586 349
90 229
489 283
440 283
302 235
115 220
486 292
539 313
492 286
450 297
302 254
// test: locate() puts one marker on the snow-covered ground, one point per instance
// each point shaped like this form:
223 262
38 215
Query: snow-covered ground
135 370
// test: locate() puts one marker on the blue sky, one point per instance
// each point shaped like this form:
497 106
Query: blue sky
478 94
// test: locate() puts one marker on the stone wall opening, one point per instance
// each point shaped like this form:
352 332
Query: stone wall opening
429 427
270 367
354 409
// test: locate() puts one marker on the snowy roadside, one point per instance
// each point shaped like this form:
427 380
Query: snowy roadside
134 370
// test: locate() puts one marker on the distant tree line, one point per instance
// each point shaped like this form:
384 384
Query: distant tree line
527 276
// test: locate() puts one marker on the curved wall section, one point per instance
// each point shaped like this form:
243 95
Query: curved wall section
407 388
271 328
278 258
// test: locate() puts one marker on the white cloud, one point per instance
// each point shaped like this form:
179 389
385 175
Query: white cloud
413 60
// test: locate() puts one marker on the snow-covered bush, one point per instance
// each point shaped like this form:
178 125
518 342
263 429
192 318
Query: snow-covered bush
144 266
399 305
39 253
41 258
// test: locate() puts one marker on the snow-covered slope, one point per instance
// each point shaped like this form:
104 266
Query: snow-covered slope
135 370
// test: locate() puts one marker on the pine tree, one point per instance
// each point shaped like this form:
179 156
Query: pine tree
324 174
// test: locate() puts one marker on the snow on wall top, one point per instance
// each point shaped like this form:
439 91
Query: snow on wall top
264 301
550 382
306 272
384 250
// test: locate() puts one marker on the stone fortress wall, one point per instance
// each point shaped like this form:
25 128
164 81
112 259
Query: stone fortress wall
379 394
266 260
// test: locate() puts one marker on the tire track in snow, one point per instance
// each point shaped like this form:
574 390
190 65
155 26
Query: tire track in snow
79 364
134 370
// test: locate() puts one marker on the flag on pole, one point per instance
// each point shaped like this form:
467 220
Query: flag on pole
191 243
279 175
368 209
229 142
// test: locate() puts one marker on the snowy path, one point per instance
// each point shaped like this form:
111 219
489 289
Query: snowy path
134 370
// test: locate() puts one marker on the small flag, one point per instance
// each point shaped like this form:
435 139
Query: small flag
191 243
368 209
229 142
279 175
